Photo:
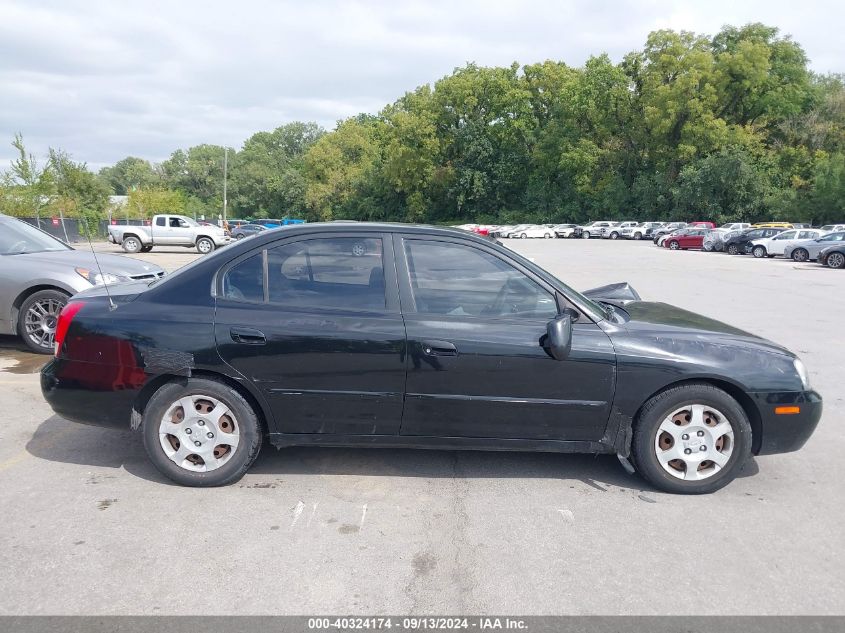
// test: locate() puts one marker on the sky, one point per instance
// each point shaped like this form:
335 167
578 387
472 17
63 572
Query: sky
106 80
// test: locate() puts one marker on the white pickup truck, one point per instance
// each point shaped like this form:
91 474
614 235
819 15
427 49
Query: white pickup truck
168 230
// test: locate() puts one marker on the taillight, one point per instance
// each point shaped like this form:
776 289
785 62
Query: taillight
65 317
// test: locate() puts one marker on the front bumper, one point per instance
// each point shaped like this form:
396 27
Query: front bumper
786 432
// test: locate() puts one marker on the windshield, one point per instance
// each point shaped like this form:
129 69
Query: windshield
20 238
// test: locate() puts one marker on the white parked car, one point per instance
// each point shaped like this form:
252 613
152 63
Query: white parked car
535 230
593 229
734 226
516 231
565 230
774 245
831 228
639 230
615 232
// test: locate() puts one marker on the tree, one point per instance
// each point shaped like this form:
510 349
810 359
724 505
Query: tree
29 185
128 174
145 203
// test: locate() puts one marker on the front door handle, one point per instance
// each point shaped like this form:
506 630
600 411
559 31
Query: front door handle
439 348
247 336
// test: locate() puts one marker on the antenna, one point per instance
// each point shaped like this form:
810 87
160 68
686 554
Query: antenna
112 305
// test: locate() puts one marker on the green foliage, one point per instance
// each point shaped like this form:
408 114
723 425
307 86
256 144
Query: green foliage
729 127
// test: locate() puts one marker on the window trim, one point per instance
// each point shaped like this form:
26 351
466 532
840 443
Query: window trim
391 286
406 291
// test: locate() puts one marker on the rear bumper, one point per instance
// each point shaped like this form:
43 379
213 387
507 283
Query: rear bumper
91 393
786 432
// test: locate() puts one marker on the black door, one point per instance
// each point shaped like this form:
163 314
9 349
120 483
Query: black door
476 366
314 322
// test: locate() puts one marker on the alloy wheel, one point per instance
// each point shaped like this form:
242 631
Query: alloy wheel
199 433
836 260
694 442
40 322
800 255
204 246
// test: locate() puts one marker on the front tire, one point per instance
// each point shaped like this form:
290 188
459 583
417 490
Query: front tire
759 252
733 249
38 317
691 439
522 236
204 246
585 235
673 245
638 236
614 235
201 432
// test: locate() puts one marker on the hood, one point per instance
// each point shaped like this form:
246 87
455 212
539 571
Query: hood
114 264
672 323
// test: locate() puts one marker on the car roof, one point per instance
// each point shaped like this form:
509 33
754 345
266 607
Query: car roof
370 227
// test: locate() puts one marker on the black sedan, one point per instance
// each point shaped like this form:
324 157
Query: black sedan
740 244
394 335
247 230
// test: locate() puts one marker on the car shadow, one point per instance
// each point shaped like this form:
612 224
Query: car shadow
59 440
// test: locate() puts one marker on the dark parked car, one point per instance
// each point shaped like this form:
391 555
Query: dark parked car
833 256
740 244
403 336
247 230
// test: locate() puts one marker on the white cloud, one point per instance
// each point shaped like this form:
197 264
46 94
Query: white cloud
108 79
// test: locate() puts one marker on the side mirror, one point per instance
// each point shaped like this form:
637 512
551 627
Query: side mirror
559 337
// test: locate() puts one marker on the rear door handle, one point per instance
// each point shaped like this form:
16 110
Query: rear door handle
439 348
247 336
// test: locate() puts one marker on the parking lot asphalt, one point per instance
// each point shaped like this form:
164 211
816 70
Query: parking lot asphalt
89 526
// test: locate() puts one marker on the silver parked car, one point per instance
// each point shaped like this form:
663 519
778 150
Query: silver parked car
38 273
806 250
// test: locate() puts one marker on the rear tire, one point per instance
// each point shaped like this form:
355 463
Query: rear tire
638 236
800 255
164 413
836 260
37 319
131 244
701 460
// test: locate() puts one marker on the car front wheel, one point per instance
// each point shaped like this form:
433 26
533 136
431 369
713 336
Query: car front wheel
691 439
674 245
759 251
614 235
733 249
638 236
200 432
38 317
585 235
204 245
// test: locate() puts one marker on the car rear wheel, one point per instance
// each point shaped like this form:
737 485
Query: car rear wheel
800 255
836 260
691 439
38 317
759 252
522 236
239 236
733 249
638 236
547 236
132 244
201 432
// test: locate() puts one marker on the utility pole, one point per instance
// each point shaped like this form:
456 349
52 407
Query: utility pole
225 177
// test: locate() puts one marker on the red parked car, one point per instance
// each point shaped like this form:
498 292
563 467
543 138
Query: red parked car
691 239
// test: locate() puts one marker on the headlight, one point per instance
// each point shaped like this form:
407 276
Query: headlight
802 373
98 279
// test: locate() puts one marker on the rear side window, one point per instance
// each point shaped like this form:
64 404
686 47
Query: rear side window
245 281
458 280
339 272
160 221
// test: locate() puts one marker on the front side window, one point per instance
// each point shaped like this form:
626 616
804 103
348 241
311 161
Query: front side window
337 272
458 280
